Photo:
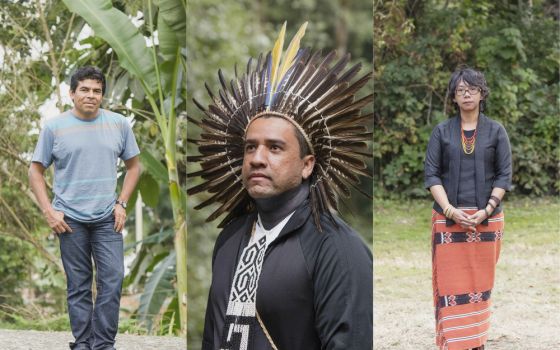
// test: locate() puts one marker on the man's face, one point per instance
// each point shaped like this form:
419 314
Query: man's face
272 163
467 97
87 98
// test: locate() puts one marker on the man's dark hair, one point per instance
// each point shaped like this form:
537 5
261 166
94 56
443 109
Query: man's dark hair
87 72
303 147
473 78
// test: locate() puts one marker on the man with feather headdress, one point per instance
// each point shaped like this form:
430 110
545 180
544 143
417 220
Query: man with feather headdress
279 144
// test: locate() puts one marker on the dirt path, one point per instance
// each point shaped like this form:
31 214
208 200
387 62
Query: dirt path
34 340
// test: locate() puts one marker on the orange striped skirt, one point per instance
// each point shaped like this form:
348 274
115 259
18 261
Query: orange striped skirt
463 267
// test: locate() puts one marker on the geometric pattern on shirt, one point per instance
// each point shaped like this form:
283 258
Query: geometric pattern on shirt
245 279
467 237
461 299
241 309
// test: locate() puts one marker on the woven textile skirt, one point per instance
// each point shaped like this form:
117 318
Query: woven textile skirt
463 267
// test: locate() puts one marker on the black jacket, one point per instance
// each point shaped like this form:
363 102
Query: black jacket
315 289
492 156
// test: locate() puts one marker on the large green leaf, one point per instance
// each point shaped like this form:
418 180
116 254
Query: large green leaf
117 29
154 167
170 45
174 13
157 289
149 188
168 42
132 201
117 84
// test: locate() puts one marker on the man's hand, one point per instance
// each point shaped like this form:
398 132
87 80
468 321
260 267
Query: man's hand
120 217
55 219
477 217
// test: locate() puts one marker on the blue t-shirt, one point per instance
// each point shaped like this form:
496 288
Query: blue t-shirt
85 155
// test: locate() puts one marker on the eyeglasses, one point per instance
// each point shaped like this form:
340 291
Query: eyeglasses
473 90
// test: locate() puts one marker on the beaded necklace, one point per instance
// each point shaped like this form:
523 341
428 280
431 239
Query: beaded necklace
468 142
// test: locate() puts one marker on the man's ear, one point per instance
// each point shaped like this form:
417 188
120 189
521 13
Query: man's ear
308 164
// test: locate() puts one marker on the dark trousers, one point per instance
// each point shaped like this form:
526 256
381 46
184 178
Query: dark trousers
93 326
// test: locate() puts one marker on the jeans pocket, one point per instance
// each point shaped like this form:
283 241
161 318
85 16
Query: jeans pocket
105 230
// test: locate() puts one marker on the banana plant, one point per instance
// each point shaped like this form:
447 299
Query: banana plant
158 65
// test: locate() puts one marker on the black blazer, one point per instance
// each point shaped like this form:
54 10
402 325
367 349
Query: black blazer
492 156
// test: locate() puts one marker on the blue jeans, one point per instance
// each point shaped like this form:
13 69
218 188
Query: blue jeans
94 327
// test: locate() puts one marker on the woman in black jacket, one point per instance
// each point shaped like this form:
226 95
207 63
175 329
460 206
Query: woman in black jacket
468 170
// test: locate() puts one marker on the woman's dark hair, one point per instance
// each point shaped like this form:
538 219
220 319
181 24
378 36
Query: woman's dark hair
473 78
87 72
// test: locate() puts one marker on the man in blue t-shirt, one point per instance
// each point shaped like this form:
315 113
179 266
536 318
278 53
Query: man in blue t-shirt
85 144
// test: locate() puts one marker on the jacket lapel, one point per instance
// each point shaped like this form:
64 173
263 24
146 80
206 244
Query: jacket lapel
482 136
455 159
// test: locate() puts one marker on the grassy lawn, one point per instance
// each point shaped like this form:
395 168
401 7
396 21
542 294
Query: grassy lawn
525 295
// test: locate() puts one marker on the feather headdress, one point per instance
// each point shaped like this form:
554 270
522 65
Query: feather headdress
316 94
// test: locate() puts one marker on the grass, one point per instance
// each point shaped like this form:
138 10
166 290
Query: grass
408 223
27 318
20 319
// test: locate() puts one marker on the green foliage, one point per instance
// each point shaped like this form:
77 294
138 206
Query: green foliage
28 318
152 272
14 257
149 189
131 326
157 289
419 45
155 168
32 318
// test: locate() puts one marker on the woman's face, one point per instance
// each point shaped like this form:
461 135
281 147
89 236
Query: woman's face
467 97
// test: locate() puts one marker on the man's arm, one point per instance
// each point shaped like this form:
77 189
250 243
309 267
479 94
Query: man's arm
54 218
130 180
208 333
343 285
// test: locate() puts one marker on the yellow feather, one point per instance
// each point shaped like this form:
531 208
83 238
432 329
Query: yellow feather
276 54
291 52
